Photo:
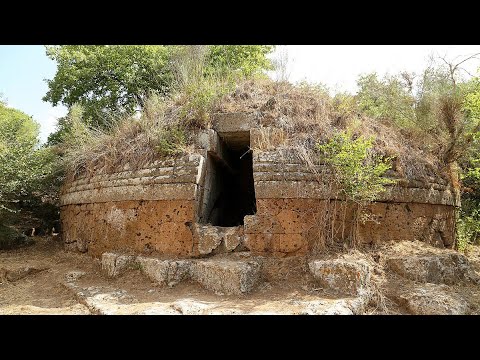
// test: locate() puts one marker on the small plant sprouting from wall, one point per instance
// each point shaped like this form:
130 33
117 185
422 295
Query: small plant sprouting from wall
357 170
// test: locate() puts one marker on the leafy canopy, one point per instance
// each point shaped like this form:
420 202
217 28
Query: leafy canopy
23 166
249 60
386 98
108 79
116 79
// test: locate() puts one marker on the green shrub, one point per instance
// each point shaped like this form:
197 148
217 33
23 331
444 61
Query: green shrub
24 165
387 98
358 170
11 238
468 229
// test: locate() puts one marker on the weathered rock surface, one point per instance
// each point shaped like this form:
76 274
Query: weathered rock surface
74 275
208 237
448 268
19 273
430 299
217 239
226 276
105 301
221 275
77 309
115 264
342 276
165 272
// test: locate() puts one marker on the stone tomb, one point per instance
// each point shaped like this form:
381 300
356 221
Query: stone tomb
226 197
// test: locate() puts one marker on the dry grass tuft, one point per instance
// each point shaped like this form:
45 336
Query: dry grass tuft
297 116
128 143
307 114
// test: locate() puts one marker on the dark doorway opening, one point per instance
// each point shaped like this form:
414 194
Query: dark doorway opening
232 193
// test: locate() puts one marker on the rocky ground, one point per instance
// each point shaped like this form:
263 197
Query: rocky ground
400 278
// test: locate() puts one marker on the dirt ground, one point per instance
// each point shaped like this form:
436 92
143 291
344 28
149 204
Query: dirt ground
48 292
45 290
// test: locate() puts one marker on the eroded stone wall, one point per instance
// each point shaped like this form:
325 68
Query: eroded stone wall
299 209
159 208
286 227
162 226
143 211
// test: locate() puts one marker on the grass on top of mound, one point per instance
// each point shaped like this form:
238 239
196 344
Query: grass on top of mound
306 114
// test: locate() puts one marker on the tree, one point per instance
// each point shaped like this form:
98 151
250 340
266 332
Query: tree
469 220
107 79
249 60
116 79
23 165
64 125
388 98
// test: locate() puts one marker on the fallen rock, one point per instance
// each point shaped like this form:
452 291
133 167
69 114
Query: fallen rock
20 273
208 237
430 299
448 268
226 276
115 264
74 275
233 237
165 272
217 239
77 309
342 276
232 276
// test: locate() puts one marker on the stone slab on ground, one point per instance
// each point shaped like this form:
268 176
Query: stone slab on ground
165 272
16 274
226 276
106 301
432 299
448 268
220 275
342 276
77 309
115 264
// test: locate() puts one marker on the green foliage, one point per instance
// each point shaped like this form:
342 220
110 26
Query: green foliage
471 165
471 106
387 98
130 142
358 170
247 59
115 80
200 96
24 167
472 101
75 115
433 85
11 238
345 105
468 227
108 78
